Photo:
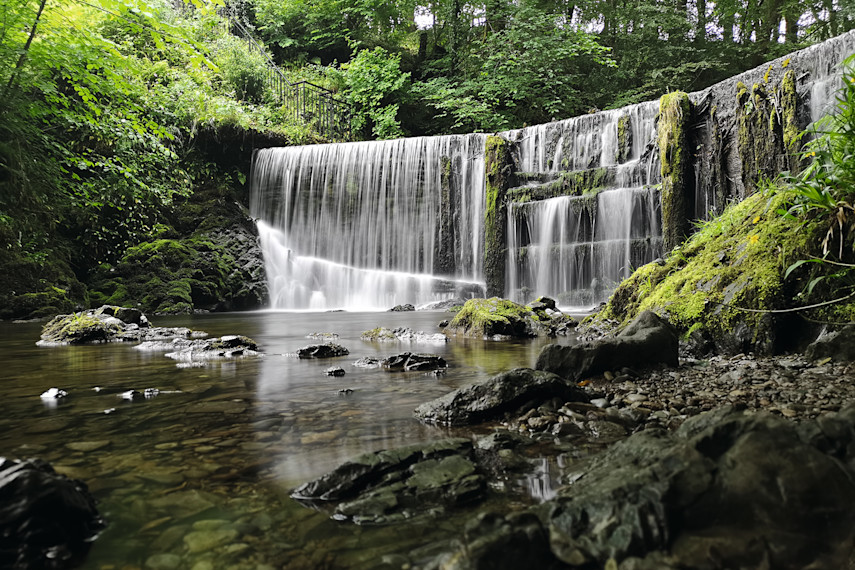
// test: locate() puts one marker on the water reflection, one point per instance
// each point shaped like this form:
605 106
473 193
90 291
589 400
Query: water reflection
228 441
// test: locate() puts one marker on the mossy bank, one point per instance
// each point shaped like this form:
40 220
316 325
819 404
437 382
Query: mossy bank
721 287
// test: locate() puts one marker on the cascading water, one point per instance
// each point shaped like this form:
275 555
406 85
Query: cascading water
577 248
370 225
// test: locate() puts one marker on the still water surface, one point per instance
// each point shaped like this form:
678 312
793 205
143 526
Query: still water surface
200 474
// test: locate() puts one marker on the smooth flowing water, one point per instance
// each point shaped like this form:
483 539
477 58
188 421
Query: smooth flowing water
578 248
370 225
219 449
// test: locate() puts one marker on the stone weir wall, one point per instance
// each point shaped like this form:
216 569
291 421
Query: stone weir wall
680 159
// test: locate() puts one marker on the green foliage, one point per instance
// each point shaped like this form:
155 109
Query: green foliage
373 79
825 191
243 71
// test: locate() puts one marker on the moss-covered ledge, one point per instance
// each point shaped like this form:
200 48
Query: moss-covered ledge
675 112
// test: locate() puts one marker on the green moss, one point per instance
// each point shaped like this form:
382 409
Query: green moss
577 183
789 100
672 138
737 260
759 133
168 276
498 165
487 317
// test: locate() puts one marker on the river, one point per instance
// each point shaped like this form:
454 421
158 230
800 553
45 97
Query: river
199 476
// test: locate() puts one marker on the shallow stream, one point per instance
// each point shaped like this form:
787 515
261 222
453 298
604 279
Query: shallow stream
198 476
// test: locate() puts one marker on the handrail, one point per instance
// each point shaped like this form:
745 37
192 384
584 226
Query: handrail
307 103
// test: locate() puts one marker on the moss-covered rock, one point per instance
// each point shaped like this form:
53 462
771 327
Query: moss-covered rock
711 287
37 286
81 328
172 276
760 133
490 317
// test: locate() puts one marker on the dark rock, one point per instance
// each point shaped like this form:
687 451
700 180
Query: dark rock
402 308
335 371
499 543
326 350
47 521
648 340
410 362
396 484
543 303
443 323
127 315
746 490
505 393
443 305
838 345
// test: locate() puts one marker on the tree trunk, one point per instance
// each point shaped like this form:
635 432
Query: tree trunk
23 57
701 30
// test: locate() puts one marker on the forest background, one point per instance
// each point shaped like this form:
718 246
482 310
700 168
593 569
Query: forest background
126 127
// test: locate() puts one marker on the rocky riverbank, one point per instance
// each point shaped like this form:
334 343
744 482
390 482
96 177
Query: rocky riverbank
659 462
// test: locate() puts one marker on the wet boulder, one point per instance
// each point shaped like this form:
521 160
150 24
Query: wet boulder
47 521
403 334
510 392
397 484
838 345
726 490
413 362
402 308
649 340
226 346
326 350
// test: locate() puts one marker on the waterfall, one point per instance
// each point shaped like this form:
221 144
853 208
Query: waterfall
370 225
576 248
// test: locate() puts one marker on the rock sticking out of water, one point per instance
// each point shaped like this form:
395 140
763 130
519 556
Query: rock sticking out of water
506 393
368 362
227 346
403 334
411 362
327 336
53 394
334 371
393 485
648 340
326 350
107 323
47 521
402 308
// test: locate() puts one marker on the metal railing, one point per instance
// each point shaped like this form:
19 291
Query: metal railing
304 102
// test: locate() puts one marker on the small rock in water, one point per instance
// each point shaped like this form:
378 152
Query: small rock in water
335 371
327 350
368 362
53 394
131 395
403 308
322 336
345 391
150 393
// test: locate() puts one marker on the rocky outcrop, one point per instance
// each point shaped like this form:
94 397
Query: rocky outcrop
727 490
406 307
326 350
397 484
106 324
47 521
648 340
507 393
411 362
